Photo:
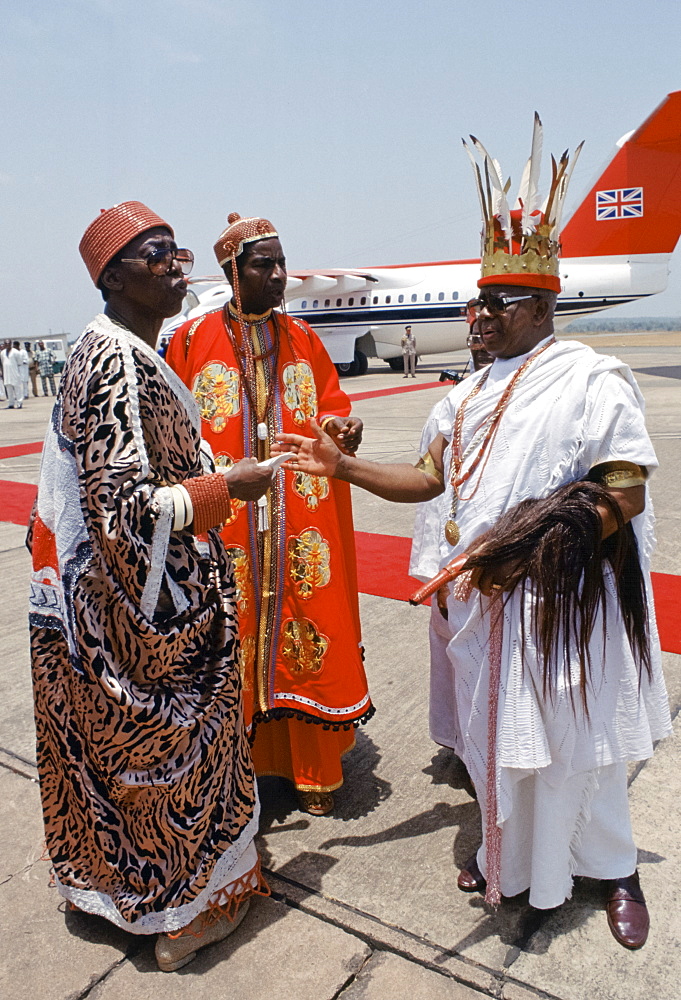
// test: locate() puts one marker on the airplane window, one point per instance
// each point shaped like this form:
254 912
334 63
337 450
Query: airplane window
387 299
455 295
351 302
315 303
400 298
375 300
363 300
440 296
327 302
303 304
338 301
414 297
427 296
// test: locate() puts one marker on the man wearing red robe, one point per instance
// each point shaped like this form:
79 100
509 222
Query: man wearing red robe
256 372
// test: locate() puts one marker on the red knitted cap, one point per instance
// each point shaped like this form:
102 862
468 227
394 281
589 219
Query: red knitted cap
112 229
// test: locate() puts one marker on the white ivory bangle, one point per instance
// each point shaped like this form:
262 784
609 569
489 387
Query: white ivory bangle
189 506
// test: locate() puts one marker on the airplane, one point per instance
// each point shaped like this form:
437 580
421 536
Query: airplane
615 249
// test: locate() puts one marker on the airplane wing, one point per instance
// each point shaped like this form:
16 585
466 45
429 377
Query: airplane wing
322 281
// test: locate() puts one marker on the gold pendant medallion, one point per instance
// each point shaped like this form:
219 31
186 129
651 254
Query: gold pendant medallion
452 533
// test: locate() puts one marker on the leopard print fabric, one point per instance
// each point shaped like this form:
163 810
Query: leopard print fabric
146 781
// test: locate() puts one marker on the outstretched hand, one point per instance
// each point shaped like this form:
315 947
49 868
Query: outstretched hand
317 456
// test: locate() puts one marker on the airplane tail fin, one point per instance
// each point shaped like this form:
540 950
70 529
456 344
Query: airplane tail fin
635 205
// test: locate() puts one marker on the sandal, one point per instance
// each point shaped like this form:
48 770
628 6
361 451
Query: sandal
316 803
174 952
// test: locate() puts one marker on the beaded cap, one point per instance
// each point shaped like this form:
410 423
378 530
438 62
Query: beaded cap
521 246
112 229
230 242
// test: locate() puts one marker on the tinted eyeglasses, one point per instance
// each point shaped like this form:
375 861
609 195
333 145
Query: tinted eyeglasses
160 261
495 304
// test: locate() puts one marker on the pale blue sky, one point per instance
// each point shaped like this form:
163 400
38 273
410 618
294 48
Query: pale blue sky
341 122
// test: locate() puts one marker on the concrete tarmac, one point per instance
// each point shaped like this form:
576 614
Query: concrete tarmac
364 902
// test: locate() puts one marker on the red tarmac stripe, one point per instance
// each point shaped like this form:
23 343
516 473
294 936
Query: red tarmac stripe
17 450
383 563
400 388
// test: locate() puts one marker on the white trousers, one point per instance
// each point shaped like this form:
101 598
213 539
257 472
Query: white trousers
444 720
582 827
15 394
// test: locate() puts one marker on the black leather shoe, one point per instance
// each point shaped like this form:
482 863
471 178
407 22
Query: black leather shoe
470 877
627 912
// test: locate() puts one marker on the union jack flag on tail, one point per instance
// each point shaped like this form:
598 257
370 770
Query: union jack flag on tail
622 203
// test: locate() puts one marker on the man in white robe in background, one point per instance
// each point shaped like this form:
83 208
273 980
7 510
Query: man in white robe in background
11 376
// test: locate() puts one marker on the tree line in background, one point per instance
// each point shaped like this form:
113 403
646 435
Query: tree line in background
624 325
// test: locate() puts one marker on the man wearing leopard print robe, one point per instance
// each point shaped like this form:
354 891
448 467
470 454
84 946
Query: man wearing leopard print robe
147 786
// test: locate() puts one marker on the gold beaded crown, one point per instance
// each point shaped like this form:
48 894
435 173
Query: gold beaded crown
521 246
239 231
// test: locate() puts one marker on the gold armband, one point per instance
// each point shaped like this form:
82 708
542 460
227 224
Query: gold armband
326 421
618 475
426 464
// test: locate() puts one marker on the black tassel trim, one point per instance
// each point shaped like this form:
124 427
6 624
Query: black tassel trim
260 718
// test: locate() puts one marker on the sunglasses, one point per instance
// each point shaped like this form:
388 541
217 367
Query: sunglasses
495 304
160 261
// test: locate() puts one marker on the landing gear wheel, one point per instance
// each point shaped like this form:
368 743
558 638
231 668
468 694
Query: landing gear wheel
358 365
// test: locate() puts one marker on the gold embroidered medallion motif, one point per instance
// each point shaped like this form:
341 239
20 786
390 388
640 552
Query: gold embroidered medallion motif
216 390
311 489
302 646
243 577
300 391
309 562
225 461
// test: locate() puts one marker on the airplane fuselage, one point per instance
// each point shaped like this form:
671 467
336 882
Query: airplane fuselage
432 299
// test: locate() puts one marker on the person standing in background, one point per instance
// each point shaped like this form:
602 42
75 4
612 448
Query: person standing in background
409 353
11 375
45 359
23 367
32 367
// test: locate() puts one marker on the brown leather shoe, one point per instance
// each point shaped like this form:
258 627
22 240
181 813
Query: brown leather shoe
470 877
627 912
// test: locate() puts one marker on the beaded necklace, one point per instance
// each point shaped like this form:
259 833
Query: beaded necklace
246 359
452 530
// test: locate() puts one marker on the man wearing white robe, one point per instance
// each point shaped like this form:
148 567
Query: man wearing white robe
11 376
560 776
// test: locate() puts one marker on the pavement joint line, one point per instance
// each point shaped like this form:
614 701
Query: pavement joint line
376 943
18 764
351 979
97 982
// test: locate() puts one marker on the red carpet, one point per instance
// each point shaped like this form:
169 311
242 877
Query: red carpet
383 562
16 501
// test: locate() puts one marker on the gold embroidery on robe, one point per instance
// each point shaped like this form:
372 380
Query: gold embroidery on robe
247 661
300 391
311 489
225 461
216 390
309 557
302 646
243 577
